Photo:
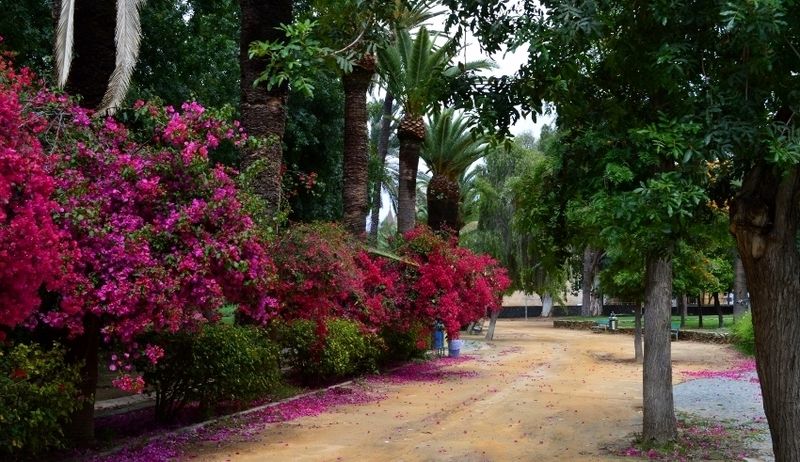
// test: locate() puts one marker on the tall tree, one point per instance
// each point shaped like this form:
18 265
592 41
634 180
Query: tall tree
449 150
415 71
263 110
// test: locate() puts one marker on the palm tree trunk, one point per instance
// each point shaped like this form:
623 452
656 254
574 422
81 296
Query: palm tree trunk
383 152
354 168
411 138
94 50
444 195
84 350
263 112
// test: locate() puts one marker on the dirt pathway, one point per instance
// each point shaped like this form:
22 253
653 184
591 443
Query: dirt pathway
535 393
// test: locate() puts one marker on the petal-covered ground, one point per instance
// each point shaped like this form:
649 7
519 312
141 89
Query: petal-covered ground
534 393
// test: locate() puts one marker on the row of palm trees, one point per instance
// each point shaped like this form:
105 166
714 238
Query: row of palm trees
370 37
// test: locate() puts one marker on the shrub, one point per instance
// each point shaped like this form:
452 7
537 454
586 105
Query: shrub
334 349
406 344
744 335
219 363
38 392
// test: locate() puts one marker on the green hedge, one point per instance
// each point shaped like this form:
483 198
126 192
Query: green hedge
344 350
407 344
219 363
38 392
743 334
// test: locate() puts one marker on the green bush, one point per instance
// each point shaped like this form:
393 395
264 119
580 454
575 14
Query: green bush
743 334
220 363
38 392
344 351
405 345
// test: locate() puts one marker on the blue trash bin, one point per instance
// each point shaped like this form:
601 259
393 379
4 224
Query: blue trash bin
438 340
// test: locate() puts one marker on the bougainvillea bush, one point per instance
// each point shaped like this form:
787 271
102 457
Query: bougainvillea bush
150 234
448 282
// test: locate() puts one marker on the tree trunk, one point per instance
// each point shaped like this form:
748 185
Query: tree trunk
263 112
383 152
547 305
492 324
94 50
354 168
659 425
740 304
637 334
683 307
591 303
700 310
718 309
764 220
84 350
410 145
444 194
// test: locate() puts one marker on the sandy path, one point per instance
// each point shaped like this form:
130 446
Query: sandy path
539 394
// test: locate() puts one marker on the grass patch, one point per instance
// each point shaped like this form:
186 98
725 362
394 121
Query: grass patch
710 322
698 439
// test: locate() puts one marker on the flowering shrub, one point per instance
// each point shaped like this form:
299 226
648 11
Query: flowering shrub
34 251
448 282
154 233
317 274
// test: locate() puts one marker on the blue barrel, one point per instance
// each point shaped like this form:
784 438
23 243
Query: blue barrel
454 348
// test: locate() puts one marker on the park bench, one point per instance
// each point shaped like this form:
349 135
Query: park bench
676 328
601 324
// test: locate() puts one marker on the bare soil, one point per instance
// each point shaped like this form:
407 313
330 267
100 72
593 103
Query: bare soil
539 394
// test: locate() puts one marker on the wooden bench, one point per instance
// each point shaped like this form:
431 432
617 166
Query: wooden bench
600 325
675 330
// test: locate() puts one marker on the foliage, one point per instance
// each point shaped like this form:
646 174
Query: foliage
447 282
162 238
218 363
38 392
345 349
408 344
314 146
317 274
744 334
34 251
450 147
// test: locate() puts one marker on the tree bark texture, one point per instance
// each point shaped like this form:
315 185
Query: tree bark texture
718 309
492 324
659 425
383 152
84 350
410 145
591 300
263 113
355 160
638 355
547 305
94 50
444 195
764 220
740 301
683 307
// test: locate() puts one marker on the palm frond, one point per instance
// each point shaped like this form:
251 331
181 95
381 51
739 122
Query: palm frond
450 147
65 34
127 37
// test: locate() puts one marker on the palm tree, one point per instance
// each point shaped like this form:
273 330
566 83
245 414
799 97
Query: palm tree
263 110
449 150
416 72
